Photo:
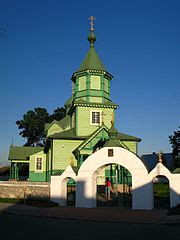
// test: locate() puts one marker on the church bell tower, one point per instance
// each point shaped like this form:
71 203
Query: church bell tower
91 104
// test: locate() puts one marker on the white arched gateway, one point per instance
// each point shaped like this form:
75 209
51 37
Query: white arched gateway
142 189
86 184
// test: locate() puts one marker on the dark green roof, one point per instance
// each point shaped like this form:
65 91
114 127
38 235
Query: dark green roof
63 123
22 153
177 170
92 61
68 134
68 103
125 137
113 143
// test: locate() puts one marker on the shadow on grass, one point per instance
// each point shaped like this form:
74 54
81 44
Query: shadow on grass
30 202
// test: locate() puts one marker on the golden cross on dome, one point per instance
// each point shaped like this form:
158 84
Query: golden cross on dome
92 22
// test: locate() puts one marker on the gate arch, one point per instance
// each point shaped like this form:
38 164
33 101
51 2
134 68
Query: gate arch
86 184
58 189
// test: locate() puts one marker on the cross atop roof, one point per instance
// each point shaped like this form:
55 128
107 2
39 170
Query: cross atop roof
92 22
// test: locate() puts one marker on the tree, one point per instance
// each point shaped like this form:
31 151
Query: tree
175 143
32 125
58 114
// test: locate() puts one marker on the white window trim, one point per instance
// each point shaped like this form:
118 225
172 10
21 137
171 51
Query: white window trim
36 170
96 124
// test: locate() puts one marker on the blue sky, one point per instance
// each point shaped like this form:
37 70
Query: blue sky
138 42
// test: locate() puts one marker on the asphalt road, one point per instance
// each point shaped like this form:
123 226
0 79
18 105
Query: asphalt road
25 227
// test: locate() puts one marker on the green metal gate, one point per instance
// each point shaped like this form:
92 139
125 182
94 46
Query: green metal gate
121 187
161 193
71 192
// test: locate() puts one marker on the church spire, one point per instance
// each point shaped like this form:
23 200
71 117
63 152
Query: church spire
92 60
92 36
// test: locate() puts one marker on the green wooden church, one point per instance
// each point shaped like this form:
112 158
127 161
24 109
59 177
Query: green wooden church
87 126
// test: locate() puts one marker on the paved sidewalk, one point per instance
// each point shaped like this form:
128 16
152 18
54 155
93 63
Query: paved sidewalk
94 214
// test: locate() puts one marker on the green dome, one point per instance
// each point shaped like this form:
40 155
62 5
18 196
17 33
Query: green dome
68 103
92 60
92 37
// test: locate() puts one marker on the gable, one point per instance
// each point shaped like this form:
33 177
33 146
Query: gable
90 142
53 129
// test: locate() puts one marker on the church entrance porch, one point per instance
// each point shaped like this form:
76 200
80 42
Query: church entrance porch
19 171
119 191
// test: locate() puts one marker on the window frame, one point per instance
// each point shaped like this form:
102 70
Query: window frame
36 162
100 117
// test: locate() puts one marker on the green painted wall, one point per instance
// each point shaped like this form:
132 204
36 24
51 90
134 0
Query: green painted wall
131 145
33 160
92 85
62 153
82 83
54 128
95 82
96 99
84 127
37 175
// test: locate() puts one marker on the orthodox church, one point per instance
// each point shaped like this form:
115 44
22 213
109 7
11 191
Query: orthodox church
88 126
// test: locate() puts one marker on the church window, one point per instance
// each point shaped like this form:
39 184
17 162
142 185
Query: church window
110 153
38 164
95 117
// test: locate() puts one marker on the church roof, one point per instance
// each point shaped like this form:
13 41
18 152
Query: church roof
63 123
125 137
152 159
92 60
113 140
68 134
22 153
113 143
71 134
